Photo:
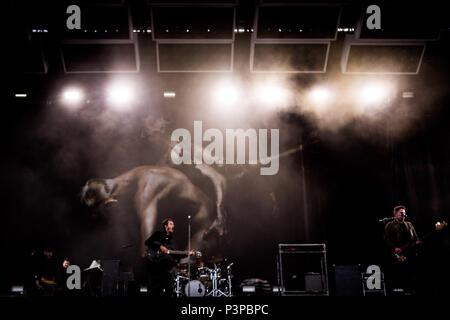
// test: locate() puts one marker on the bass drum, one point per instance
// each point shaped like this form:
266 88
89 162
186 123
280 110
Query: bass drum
195 288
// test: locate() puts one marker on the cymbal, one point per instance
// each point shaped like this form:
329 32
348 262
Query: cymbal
213 260
185 265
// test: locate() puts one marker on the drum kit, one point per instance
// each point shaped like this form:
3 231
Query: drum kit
213 281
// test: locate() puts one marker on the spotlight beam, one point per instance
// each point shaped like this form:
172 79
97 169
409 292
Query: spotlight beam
120 96
72 96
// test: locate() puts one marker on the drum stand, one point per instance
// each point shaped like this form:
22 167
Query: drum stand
229 279
179 287
216 292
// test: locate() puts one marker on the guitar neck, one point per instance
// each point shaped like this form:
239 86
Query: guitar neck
427 235
439 226
178 252
412 245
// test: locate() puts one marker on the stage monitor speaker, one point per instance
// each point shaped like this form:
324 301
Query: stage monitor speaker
348 280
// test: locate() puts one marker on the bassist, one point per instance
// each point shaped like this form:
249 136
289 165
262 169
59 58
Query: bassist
160 275
400 235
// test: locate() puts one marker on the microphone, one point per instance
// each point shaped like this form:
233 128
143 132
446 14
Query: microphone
384 220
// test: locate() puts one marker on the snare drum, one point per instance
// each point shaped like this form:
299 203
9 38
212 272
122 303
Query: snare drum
203 274
195 288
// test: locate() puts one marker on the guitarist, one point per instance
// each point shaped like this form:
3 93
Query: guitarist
41 273
399 235
160 276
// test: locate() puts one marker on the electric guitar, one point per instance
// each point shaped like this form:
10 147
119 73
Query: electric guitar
410 249
157 255
46 287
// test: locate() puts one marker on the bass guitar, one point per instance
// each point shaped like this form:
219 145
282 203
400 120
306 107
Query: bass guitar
157 255
411 249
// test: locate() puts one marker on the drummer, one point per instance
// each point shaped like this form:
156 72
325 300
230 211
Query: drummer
203 272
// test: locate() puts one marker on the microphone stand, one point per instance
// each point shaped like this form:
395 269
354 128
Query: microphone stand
189 250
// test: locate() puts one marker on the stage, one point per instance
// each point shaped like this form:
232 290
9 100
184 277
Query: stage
298 149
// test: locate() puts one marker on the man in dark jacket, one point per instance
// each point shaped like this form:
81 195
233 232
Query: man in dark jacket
400 236
161 262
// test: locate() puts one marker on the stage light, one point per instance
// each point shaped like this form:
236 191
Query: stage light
169 94
226 94
20 95
72 96
370 97
407 94
320 95
317 100
120 96
271 95
374 93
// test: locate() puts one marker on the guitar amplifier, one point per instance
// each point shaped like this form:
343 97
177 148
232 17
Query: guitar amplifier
348 281
302 269
302 248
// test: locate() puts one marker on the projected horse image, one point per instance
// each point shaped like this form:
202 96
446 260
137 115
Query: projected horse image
150 185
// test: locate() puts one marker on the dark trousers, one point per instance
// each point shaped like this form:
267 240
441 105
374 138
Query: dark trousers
160 278
402 275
